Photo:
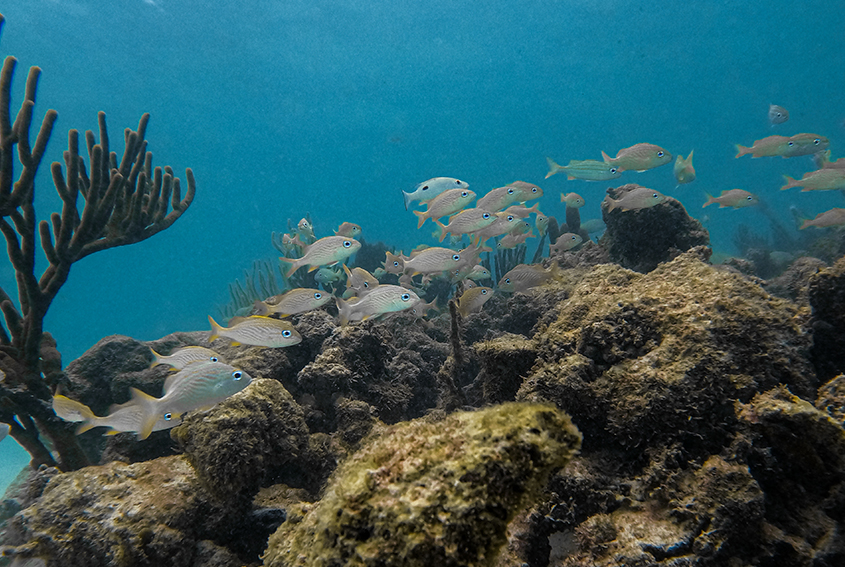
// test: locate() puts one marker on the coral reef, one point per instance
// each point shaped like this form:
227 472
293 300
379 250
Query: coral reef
827 299
387 505
641 239
125 201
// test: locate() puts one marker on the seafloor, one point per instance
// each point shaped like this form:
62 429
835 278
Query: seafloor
676 415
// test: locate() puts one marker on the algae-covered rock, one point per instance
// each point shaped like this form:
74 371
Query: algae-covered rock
430 493
827 298
643 360
504 361
144 514
246 441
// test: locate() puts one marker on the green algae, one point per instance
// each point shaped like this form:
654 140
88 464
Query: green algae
430 492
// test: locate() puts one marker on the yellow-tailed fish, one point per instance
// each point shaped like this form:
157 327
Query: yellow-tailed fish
522 211
585 170
394 263
684 171
348 229
386 298
502 224
121 418
638 157
777 114
428 190
5 428
572 200
479 273
797 145
520 227
635 199
526 276
298 300
445 204
327 251
818 180
182 357
466 222
472 299
833 217
422 309
511 240
542 224
257 331
434 260
502 197
198 386
736 198
360 280
305 230
564 242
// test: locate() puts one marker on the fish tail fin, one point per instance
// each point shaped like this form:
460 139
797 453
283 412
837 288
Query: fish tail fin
790 182
86 425
442 229
260 308
606 158
156 358
710 200
742 150
611 203
805 224
215 329
293 265
71 410
553 167
407 198
343 311
421 216
147 402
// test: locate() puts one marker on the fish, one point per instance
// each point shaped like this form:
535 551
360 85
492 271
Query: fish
305 230
526 276
434 260
777 114
822 161
785 147
511 240
5 428
502 224
394 263
326 275
327 251
198 386
121 418
638 157
445 204
257 330
182 357
736 198
833 217
421 309
360 280
466 222
542 224
386 298
593 226
502 197
473 299
684 171
348 229
635 199
297 300
572 200
818 180
428 190
479 272
564 242
585 170
522 211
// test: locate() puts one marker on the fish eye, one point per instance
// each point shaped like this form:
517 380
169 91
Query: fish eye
318 295
507 280
346 244
168 416
457 181
749 198
790 144
533 189
510 191
612 170
654 195
659 154
396 263
286 333
574 238
510 218
464 193
213 359
425 188
237 375
483 292
405 297
485 216
817 141
456 257
366 284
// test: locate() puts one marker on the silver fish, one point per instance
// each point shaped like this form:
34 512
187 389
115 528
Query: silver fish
637 198
327 251
298 300
360 280
585 170
257 331
473 299
526 276
386 298
121 418
502 197
566 241
433 260
428 190
777 114
182 357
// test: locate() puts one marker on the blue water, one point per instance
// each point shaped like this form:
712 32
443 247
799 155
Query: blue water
285 108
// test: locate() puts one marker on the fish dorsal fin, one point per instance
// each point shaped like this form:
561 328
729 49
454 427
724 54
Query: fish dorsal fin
141 397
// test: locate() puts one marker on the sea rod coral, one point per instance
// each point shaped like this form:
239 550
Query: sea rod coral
125 201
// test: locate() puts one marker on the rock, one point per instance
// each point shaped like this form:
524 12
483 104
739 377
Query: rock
827 299
430 493
641 239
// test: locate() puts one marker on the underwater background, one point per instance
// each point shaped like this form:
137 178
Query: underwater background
332 108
